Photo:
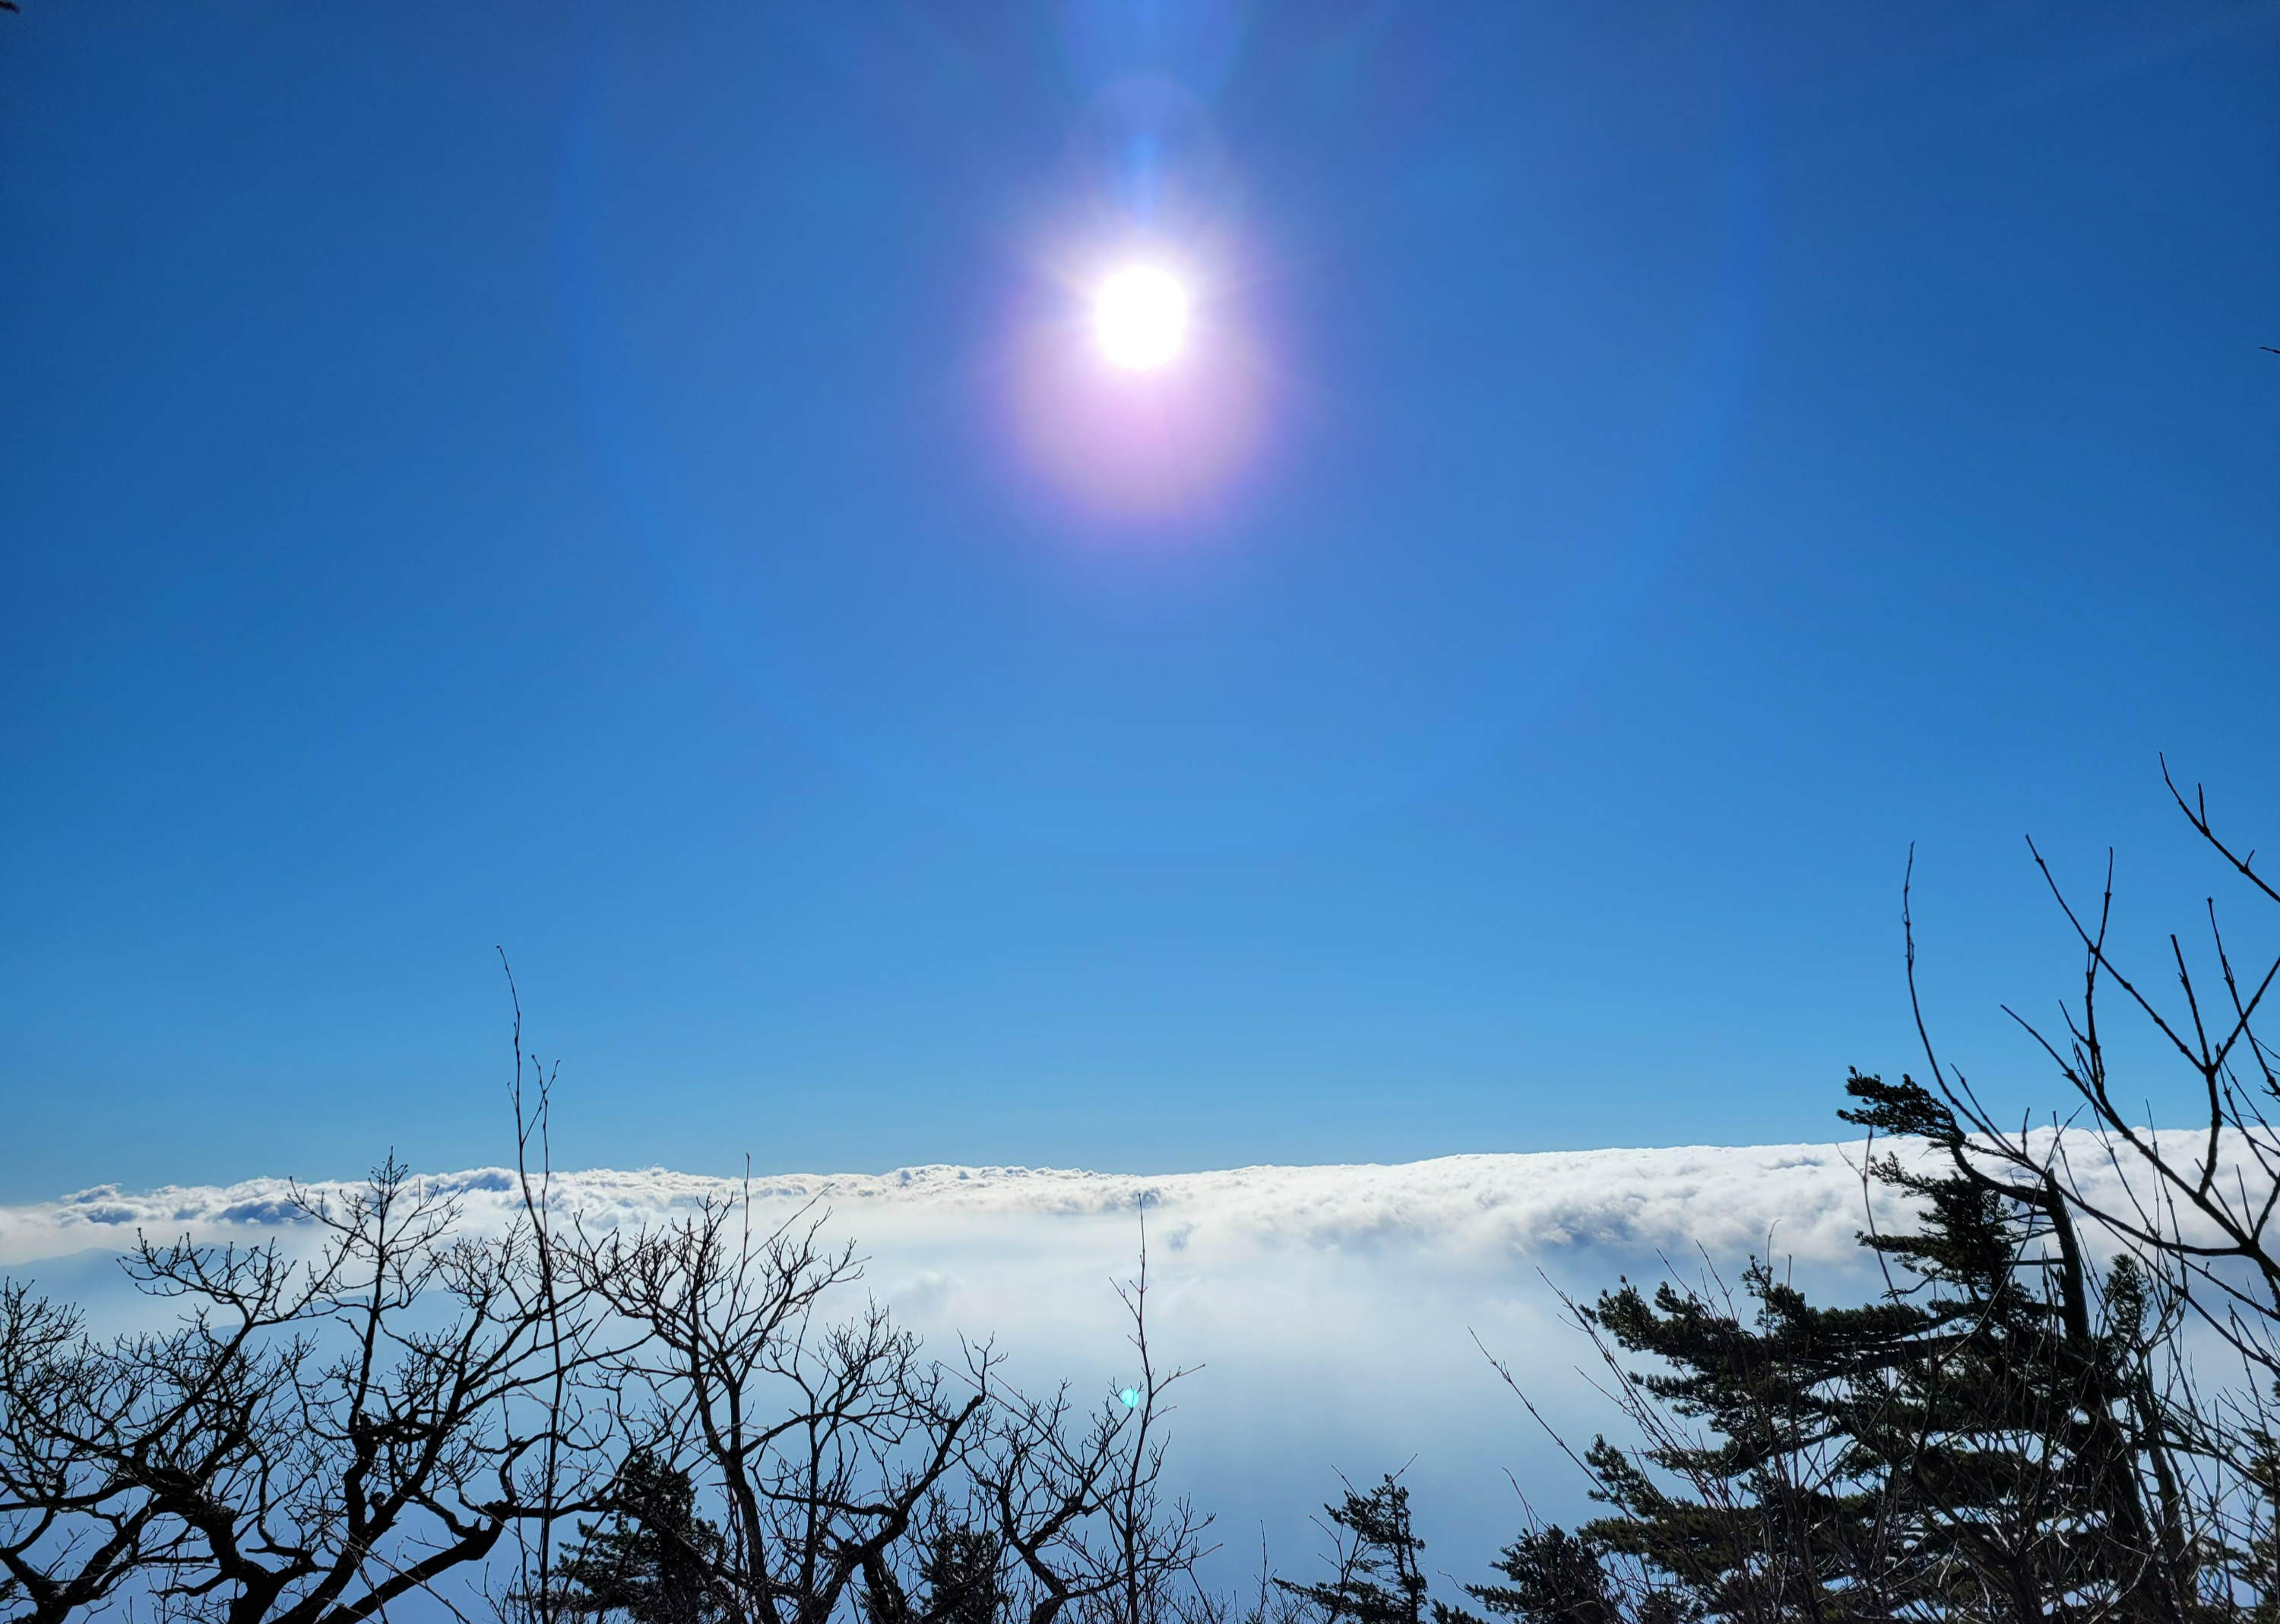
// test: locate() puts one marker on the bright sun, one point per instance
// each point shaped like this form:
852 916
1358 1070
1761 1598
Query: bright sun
1141 318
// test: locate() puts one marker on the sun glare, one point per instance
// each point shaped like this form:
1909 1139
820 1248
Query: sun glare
1140 316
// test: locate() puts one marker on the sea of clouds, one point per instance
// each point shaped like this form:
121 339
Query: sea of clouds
1337 1313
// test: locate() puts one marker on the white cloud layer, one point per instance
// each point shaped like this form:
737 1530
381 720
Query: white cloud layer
1333 1308
1481 1211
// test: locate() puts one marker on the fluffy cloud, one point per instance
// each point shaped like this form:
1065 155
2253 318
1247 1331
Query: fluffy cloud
1333 1309
1482 1211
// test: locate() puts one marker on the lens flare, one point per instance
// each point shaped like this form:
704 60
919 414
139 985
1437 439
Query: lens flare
1136 383
1140 316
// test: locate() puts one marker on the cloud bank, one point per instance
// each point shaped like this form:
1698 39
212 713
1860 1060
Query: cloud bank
1485 1211
1333 1309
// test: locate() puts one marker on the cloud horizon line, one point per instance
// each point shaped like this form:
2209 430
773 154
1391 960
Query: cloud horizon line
1806 1199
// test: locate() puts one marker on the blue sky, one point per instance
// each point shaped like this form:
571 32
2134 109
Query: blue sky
580 479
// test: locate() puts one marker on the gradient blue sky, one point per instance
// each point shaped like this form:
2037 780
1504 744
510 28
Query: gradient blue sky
558 476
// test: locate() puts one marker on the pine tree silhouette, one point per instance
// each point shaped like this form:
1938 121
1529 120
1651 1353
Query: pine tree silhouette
652 1560
1379 1579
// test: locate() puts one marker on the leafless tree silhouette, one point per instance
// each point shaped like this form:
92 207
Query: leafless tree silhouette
315 1439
